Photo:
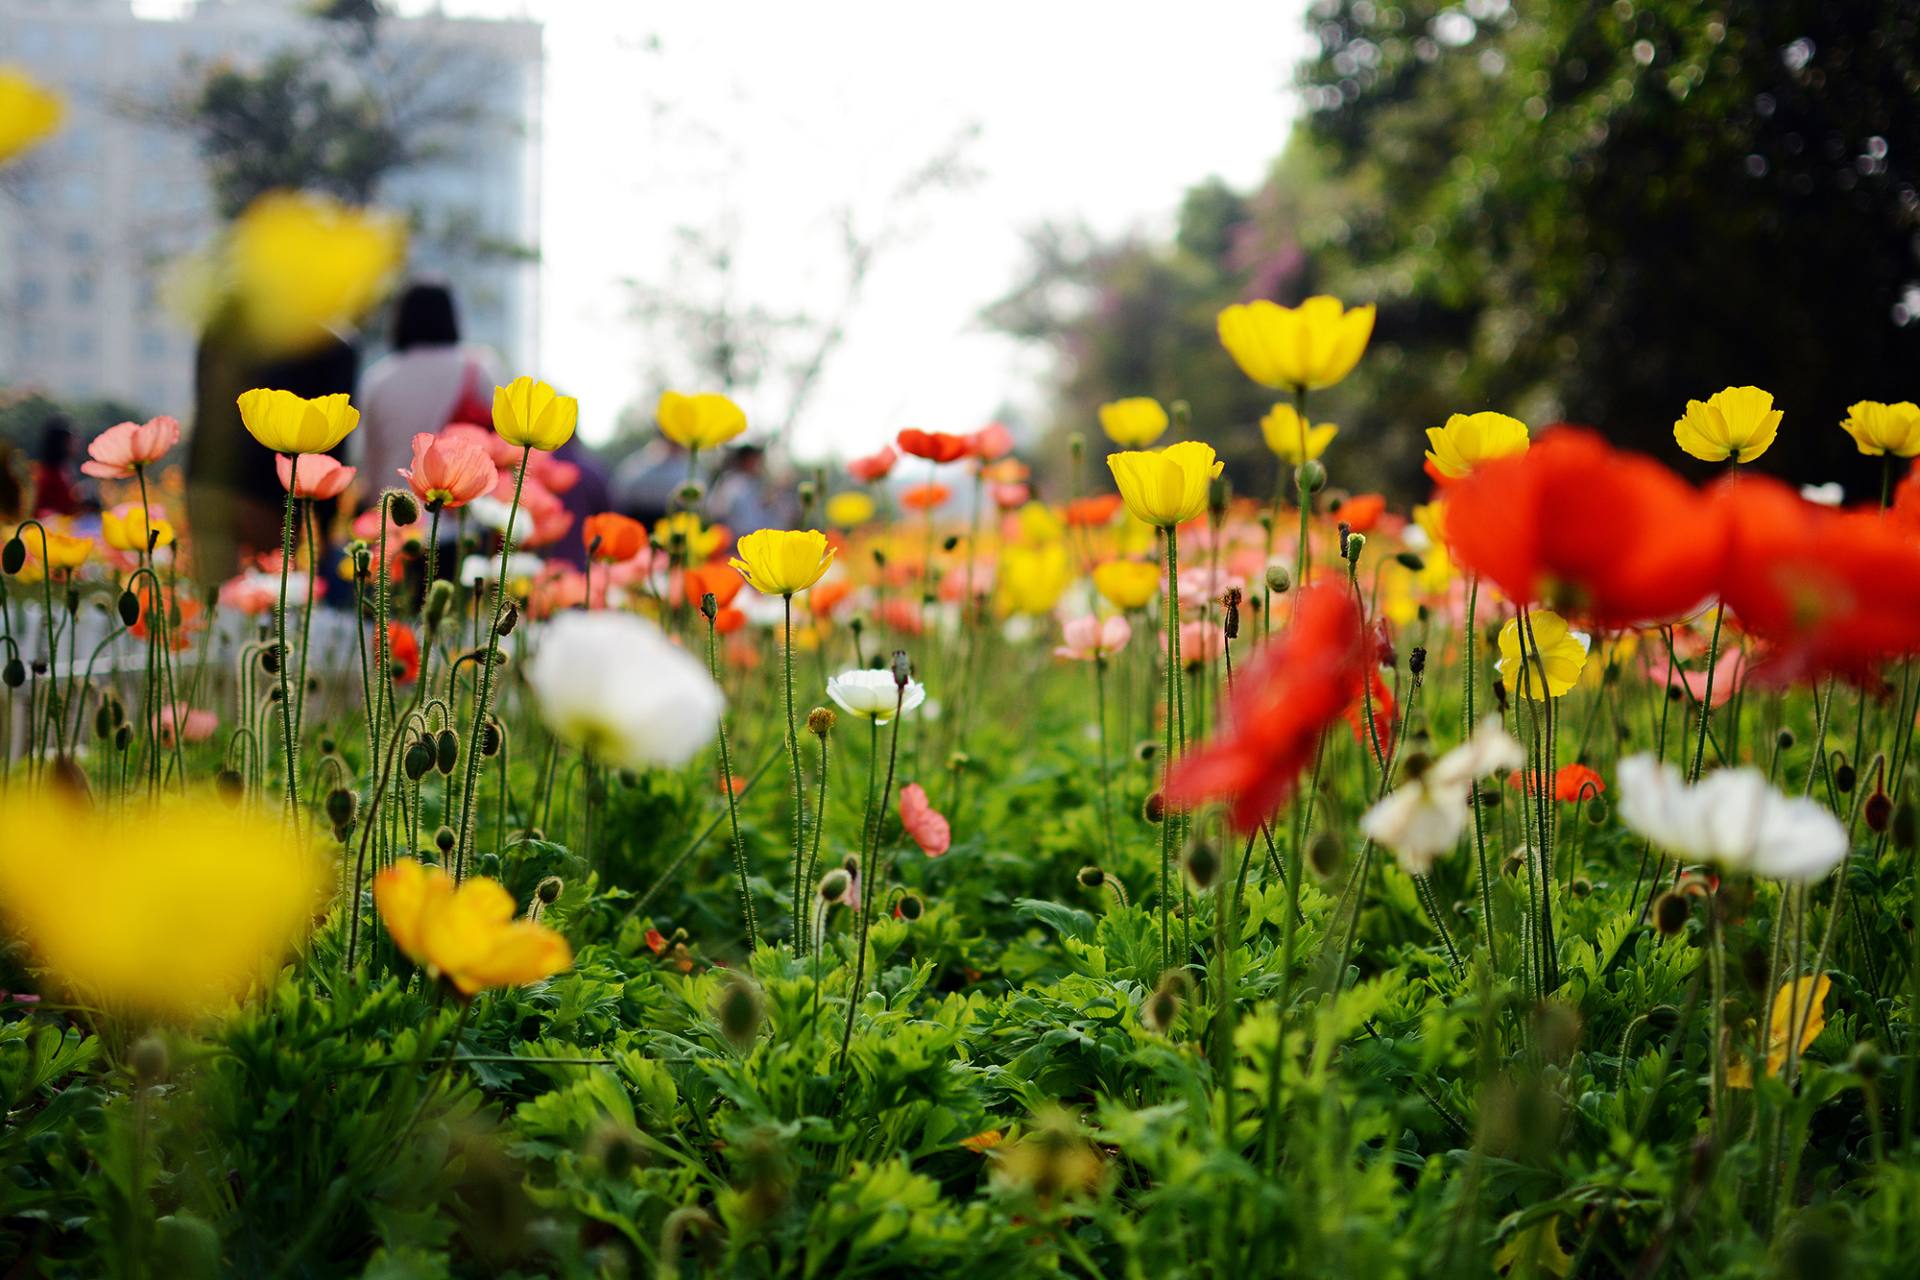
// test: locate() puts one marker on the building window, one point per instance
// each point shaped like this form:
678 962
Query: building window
81 344
80 289
33 292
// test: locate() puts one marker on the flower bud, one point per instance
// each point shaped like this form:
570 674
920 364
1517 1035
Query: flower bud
1784 740
509 619
1076 445
1309 477
1154 810
1670 912
709 605
1090 877
690 492
446 750
103 725
1145 750
341 804
739 1011
820 721
834 885
1866 1060
1878 811
419 758
879 558
439 601
1324 855
123 737
549 889
402 507
149 1060
912 908
128 606
1202 865
902 669
443 840
949 542
362 559
1161 1009
1230 607
1843 779
1181 415
13 557
229 784
1596 811
1410 560
492 737
1355 544
14 673
1219 495
1417 660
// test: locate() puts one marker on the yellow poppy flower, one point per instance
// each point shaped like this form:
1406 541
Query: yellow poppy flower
1470 439
849 510
701 540
467 933
1562 650
532 414
1310 346
1038 523
1166 488
1878 429
64 551
1134 422
703 421
782 562
29 113
304 263
161 911
1736 422
1031 580
1127 584
1616 651
1802 1000
1291 438
127 530
290 424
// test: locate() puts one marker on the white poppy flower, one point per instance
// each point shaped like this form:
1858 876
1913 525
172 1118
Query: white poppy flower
1426 817
614 684
1732 817
871 694
1829 494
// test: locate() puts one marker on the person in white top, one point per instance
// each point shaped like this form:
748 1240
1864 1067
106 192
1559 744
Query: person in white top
427 381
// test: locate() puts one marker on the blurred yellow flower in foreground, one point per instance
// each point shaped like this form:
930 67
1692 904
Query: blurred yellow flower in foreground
532 414
1878 429
1803 1001
1737 423
1561 650
304 263
1310 346
703 421
466 934
1127 584
291 424
1291 439
1165 488
28 113
1031 580
781 562
63 552
849 510
1134 422
163 911
1470 439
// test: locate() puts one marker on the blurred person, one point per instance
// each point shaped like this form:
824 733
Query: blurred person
55 492
739 498
429 380
588 495
645 482
235 501
13 489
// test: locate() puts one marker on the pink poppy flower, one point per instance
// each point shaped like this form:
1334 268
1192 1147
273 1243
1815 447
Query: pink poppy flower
115 452
874 466
990 442
449 469
318 477
1089 637
1727 670
928 829
1009 496
192 725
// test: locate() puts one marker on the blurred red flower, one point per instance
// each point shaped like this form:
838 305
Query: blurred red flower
935 446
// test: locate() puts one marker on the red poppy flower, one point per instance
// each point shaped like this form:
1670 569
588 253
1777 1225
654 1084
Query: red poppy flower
717 580
924 497
1304 678
919 819
1570 783
619 537
1588 530
656 941
873 466
825 595
1831 591
935 446
403 648
1362 511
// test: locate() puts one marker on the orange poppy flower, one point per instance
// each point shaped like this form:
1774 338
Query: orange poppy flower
825 595
1093 512
717 580
1570 782
1362 511
925 497
619 537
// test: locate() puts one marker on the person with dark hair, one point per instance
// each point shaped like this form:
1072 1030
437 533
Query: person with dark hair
54 491
428 381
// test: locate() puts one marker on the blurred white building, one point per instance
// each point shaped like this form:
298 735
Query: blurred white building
90 221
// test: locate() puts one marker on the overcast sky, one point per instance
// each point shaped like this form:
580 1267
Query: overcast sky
777 114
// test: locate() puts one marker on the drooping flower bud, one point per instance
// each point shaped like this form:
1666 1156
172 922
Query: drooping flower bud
128 605
1670 912
739 1011
1202 865
1154 810
418 759
13 557
439 602
509 619
834 885
912 907
402 507
446 751
1310 477
341 804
